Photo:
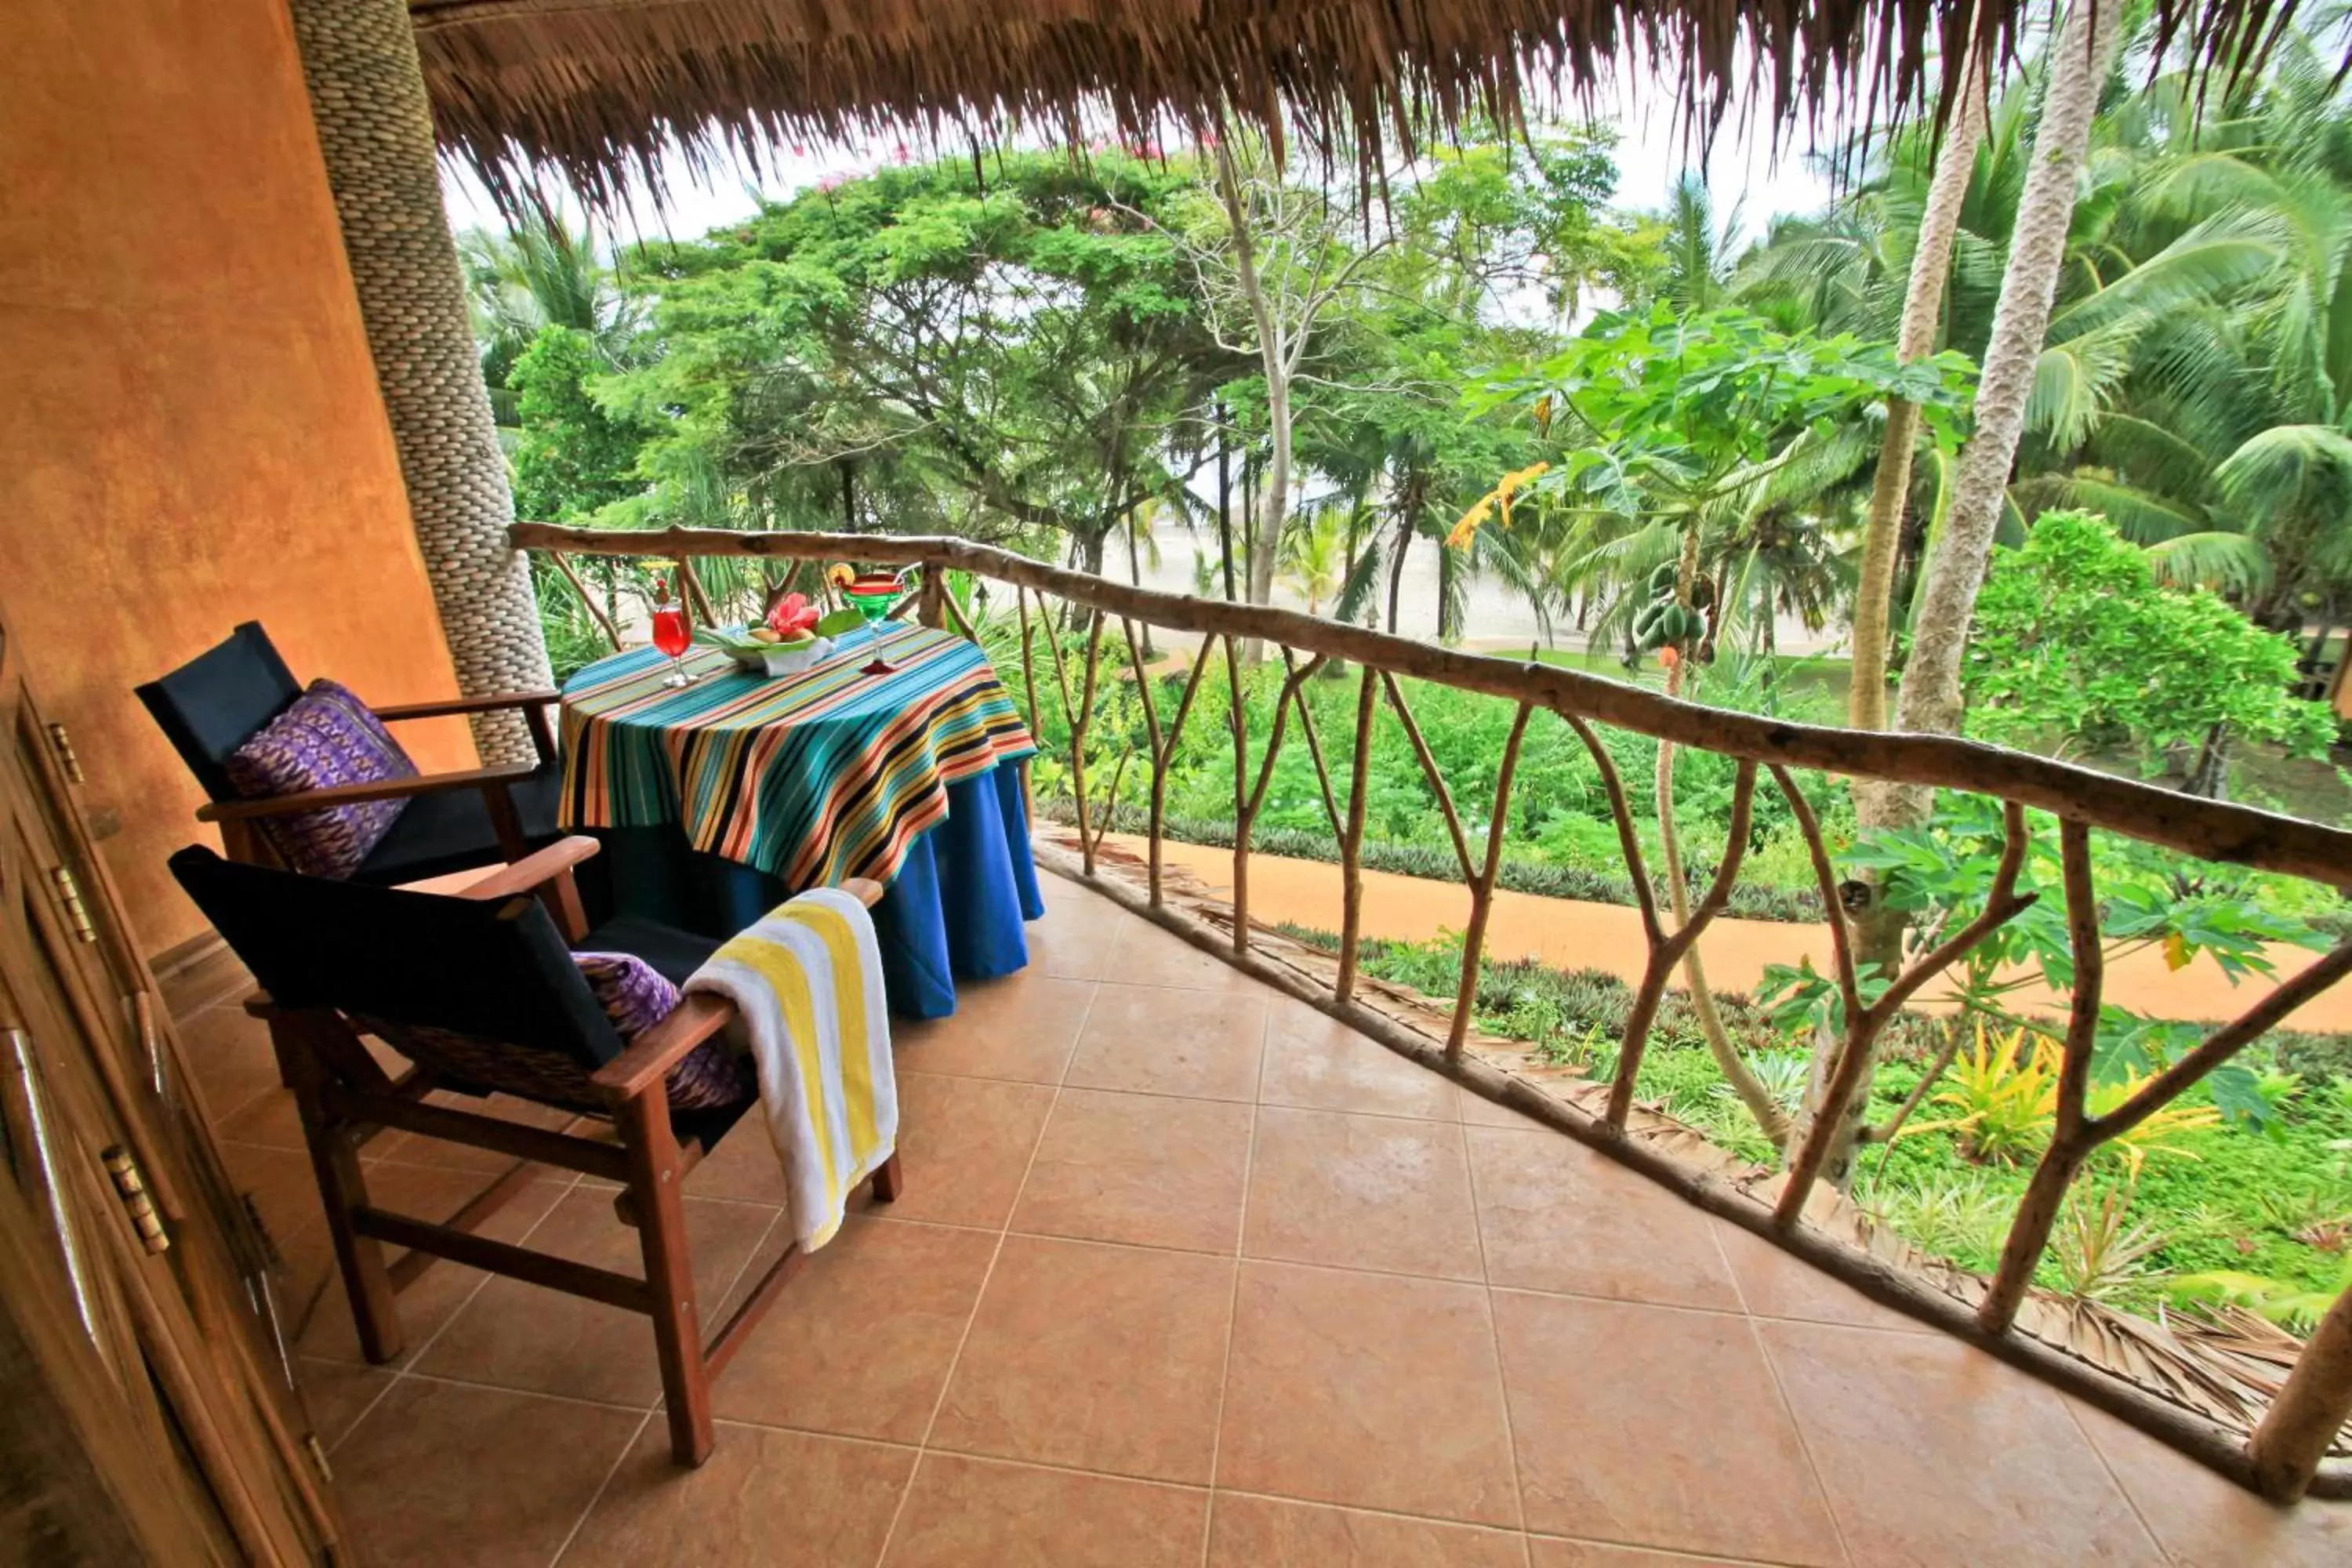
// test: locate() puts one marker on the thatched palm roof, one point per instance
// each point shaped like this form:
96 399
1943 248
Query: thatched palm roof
600 89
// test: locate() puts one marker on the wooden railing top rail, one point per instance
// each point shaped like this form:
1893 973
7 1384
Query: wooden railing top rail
2214 830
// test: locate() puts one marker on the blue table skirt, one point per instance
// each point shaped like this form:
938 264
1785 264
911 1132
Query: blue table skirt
953 913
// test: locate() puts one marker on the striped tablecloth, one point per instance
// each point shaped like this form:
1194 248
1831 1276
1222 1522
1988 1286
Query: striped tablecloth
811 777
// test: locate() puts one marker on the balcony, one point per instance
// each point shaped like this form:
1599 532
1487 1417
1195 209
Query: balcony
1186 1267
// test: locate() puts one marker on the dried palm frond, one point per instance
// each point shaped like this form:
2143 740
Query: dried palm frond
606 91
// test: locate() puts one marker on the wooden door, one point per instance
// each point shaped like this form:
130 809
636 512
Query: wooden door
151 1415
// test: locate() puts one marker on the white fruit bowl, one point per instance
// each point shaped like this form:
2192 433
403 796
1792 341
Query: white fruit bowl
738 643
792 661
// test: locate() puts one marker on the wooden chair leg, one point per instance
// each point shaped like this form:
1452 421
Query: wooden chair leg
654 1183
889 1180
342 1187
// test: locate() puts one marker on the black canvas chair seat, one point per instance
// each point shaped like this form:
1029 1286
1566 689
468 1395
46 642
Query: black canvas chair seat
487 974
674 953
435 835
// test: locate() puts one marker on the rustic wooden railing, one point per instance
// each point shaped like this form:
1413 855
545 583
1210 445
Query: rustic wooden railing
2287 1451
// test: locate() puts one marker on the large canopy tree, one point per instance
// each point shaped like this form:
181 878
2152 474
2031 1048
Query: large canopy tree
1005 347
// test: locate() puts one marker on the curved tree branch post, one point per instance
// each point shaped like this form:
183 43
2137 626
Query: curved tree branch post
2302 1423
1667 950
1351 837
930 595
1029 681
1482 886
1428 771
2037 1211
1077 715
1843 962
1028 659
690 587
1110 801
1237 722
596 611
1830 1130
1643 1012
1736 1071
1246 805
1162 747
1314 741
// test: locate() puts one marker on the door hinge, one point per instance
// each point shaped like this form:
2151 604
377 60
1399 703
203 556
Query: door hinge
133 1188
62 743
70 895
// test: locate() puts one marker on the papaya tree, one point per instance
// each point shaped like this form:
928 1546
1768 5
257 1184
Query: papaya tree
1665 435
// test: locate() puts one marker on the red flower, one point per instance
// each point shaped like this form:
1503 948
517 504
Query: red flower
792 613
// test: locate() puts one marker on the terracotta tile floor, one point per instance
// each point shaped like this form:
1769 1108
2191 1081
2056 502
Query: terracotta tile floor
1187 1274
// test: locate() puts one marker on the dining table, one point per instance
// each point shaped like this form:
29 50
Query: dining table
719 799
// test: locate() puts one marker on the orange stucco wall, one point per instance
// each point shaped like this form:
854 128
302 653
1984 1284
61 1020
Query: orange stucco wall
190 434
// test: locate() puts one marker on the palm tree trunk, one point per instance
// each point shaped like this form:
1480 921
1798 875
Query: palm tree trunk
2078 61
1408 504
375 135
1930 697
1134 575
1931 262
1878 929
1447 567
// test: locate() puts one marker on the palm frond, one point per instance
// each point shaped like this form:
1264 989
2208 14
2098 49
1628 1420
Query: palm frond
2228 563
2289 465
2204 264
2074 382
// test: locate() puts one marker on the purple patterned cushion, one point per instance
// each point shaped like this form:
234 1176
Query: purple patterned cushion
637 996
325 738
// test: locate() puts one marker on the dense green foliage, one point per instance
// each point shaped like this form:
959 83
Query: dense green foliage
2075 640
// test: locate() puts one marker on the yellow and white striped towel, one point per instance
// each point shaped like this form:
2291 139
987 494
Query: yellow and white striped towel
806 981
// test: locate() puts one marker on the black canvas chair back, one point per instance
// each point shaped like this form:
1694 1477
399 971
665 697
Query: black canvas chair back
484 992
214 703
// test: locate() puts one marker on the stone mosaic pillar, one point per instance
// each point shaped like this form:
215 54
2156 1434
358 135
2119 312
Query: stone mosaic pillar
375 129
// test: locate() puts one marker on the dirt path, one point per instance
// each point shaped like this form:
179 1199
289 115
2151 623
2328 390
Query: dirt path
1573 934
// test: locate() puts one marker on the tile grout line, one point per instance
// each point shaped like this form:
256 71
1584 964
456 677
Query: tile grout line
627 1448
1670 1554
407 1368
1234 1299
1781 1393
1494 1336
391 1382
1210 1099
638 1437
923 1444
2074 1416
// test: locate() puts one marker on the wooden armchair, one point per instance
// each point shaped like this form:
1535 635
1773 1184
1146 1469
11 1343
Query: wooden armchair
479 990
454 821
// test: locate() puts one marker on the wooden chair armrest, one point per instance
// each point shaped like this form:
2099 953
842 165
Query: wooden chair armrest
489 702
536 869
699 1016
354 795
